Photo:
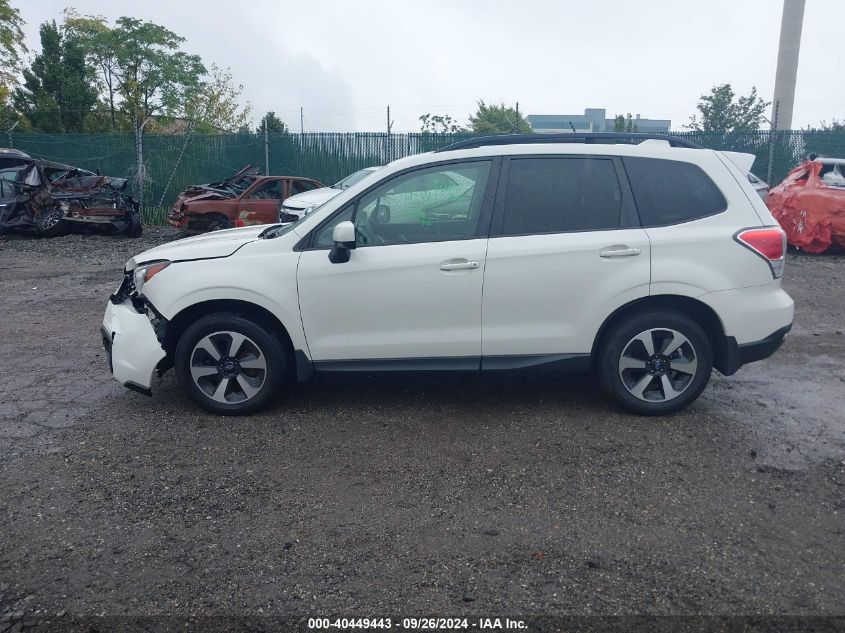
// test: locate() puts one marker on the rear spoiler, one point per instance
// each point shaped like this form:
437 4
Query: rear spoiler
741 159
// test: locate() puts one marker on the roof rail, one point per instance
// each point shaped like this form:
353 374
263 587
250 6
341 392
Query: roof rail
628 138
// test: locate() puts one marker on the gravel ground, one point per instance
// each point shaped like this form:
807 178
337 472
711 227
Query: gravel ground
369 495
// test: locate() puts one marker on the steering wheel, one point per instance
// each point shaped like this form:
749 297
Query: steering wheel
366 235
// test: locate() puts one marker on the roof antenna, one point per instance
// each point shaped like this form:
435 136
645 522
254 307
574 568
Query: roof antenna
572 126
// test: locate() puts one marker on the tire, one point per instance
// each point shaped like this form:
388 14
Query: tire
134 229
247 389
50 223
655 383
219 223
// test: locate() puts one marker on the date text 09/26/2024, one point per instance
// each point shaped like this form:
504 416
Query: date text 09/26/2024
422 624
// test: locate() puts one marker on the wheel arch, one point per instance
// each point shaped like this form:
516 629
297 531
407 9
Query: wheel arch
180 322
699 311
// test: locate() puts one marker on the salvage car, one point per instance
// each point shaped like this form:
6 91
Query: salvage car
244 199
810 205
303 203
13 157
650 263
49 198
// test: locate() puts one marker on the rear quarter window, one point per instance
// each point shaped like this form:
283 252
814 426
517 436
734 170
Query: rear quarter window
672 192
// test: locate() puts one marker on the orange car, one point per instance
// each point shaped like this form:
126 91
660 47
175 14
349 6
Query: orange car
810 204
241 200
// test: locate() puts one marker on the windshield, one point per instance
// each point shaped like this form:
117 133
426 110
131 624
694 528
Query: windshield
352 179
279 229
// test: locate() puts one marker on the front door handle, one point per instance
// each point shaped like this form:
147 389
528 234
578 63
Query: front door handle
619 252
464 265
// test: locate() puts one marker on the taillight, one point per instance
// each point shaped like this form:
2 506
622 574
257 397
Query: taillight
768 242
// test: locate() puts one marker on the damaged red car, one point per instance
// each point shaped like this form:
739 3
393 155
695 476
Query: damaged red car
810 205
243 199
51 198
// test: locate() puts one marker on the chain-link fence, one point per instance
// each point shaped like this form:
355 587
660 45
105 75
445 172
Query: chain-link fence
171 162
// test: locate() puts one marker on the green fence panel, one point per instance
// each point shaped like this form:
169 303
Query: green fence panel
172 162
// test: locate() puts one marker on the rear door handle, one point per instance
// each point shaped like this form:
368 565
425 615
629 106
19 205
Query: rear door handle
620 252
464 265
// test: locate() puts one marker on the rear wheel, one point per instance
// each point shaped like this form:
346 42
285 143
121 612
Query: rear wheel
229 364
656 363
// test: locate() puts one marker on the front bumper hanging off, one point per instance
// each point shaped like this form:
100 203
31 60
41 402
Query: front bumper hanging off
133 348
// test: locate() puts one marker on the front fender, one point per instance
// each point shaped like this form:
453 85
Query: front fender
252 279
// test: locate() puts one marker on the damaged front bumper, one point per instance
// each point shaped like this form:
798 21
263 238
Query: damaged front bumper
134 351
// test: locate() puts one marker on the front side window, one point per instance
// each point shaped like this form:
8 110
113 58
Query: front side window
671 192
271 190
434 204
557 195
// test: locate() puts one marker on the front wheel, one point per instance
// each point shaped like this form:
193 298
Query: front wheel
50 223
134 228
229 364
219 223
655 363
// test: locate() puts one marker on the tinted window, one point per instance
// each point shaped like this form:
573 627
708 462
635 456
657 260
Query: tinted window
554 195
671 192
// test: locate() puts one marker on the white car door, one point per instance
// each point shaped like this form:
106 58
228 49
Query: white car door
411 290
565 251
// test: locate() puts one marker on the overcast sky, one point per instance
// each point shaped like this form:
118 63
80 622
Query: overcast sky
345 61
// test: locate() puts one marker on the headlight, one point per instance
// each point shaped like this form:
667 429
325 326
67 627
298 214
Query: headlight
145 272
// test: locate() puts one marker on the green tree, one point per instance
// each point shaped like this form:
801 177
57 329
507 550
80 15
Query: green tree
274 124
216 108
142 71
498 119
100 43
439 124
721 112
154 77
624 123
834 126
12 47
58 93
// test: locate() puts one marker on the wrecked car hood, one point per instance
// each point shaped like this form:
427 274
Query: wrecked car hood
206 246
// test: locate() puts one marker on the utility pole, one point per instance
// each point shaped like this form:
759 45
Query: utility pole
266 149
140 170
515 128
301 121
387 137
772 134
787 70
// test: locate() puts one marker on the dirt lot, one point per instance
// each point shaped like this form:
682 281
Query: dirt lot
517 494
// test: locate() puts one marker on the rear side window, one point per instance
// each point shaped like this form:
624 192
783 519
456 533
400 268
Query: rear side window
672 192
557 195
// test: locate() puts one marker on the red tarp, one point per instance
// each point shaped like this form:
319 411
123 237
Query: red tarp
811 211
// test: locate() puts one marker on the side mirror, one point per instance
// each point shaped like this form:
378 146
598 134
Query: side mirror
343 237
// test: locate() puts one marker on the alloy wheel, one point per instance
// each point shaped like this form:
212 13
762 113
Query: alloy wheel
658 365
228 367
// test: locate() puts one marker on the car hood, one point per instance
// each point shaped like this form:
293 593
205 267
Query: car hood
311 198
206 246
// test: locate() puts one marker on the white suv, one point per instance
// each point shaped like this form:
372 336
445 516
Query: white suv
649 261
